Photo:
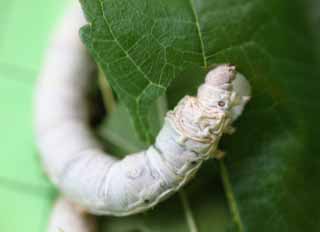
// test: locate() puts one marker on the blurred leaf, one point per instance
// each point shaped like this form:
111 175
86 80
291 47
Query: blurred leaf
272 166
118 134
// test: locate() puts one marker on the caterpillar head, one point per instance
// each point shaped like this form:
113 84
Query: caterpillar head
225 90
221 76
220 101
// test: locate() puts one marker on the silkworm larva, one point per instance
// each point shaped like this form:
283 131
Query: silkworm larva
66 217
101 184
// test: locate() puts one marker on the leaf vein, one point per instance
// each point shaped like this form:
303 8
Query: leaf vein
203 52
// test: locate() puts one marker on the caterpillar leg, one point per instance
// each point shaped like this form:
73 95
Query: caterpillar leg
230 130
218 154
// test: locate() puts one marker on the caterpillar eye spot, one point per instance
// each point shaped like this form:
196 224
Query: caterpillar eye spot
194 162
221 103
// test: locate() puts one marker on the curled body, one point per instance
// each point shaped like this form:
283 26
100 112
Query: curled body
75 160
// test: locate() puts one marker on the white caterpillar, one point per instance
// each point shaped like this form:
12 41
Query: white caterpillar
96 181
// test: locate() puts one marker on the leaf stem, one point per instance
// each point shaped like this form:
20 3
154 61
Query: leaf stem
230 196
162 107
188 212
106 91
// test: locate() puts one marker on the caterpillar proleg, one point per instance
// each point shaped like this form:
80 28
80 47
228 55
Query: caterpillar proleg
96 181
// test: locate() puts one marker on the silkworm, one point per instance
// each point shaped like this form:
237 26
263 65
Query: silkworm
75 160
66 217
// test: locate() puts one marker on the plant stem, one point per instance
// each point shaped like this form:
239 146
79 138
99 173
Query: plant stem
162 107
188 212
106 91
230 196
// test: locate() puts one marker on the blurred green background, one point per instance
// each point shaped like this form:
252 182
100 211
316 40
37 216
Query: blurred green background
25 193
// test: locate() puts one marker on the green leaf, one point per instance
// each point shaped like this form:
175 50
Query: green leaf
271 173
118 133
141 46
